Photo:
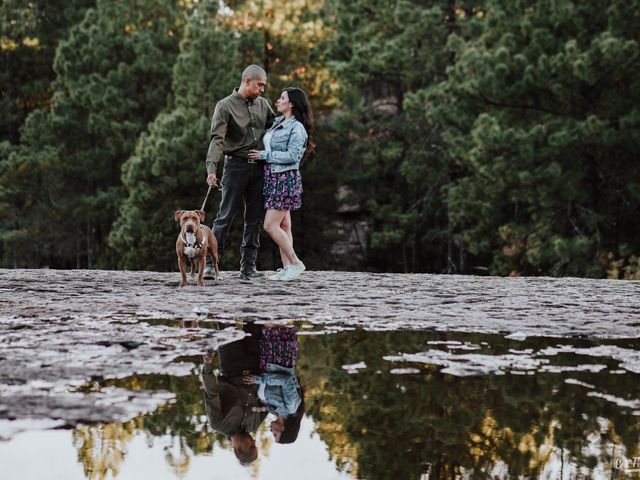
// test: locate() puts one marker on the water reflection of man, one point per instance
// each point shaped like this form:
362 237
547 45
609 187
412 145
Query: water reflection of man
233 408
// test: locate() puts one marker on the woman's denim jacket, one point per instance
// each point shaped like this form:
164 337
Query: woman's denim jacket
279 389
288 143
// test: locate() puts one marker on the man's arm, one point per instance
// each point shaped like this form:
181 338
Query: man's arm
211 390
219 124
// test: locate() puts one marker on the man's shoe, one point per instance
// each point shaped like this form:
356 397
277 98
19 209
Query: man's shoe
293 271
208 273
251 273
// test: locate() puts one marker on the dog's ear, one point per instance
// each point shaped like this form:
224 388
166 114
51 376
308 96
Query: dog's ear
201 213
178 214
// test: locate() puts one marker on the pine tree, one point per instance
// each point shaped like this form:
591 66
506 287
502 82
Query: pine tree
167 171
384 55
29 35
112 78
541 114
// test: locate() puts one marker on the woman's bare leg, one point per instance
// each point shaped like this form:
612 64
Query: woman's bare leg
272 225
285 224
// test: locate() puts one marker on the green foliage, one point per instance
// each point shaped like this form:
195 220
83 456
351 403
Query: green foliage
29 35
544 99
159 179
626 268
511 135
478 136
386 55
113 72
167 172
380 425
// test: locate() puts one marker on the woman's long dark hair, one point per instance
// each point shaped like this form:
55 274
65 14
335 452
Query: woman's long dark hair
292 425
292 422
304 114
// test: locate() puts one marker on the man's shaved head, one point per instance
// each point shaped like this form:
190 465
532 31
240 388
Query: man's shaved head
254 79
253 72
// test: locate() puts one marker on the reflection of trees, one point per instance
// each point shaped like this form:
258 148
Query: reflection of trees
102 448
379 425
178 458
185 419
329 407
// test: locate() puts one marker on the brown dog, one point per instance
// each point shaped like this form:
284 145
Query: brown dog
194 242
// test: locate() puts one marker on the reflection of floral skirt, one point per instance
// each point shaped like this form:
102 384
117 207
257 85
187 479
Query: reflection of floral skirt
278 345
282 191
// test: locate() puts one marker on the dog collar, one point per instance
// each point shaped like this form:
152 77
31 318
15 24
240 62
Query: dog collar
196 245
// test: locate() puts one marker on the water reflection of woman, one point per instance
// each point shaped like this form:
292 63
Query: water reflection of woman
279 386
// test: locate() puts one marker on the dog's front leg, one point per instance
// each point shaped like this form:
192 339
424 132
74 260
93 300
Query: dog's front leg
216 267
212 248
193 261
201 259
182 263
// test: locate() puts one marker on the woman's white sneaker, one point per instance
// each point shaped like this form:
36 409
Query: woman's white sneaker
278 275
293 271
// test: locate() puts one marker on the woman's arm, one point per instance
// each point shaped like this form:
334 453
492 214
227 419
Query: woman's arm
291 396
275 379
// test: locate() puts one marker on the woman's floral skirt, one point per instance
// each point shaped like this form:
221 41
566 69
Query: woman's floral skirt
282 191
278 345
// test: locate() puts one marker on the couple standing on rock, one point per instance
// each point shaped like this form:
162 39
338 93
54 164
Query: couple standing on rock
262 156
257 376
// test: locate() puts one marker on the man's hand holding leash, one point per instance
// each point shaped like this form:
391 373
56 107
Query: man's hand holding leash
208 356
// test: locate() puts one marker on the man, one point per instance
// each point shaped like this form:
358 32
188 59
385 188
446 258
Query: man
232 407
238 124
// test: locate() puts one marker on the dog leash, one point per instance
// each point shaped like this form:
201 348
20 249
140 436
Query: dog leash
218 186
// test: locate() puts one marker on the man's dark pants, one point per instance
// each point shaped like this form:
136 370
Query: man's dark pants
242 357
242 183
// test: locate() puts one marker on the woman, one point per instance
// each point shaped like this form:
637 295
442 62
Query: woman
287 144
279 386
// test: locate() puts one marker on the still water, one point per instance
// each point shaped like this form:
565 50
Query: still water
371 405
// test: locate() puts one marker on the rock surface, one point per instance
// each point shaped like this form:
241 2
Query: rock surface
61 329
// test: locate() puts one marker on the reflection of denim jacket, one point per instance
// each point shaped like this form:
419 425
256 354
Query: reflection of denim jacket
288 143
279 390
